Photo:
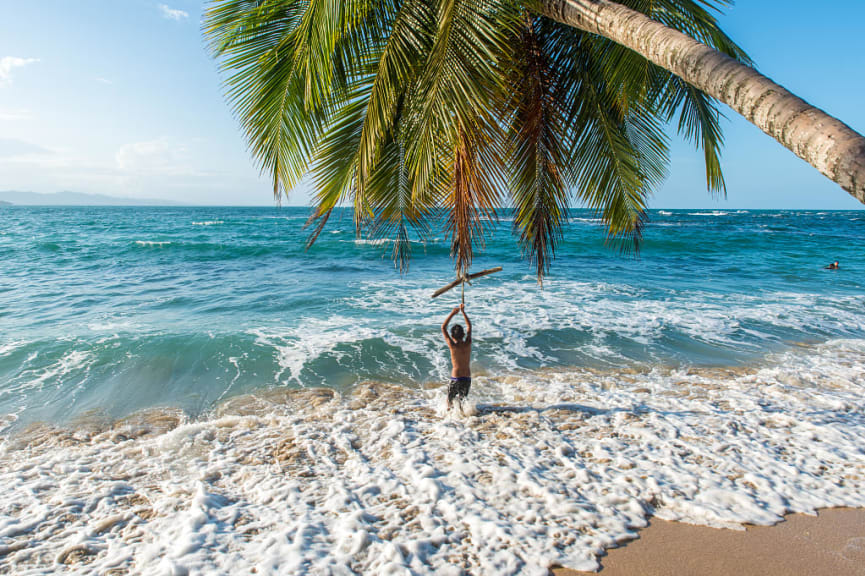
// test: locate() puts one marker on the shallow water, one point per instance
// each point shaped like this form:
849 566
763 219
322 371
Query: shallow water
188 390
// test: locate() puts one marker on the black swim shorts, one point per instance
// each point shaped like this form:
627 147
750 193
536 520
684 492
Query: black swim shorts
458 387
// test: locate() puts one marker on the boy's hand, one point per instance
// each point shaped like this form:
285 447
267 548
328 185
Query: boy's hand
462 307
456 309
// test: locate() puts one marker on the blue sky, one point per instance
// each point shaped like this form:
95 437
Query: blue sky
120 97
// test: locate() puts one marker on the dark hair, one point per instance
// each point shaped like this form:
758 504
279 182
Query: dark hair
457 332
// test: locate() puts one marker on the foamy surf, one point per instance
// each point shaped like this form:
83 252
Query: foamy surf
153 243
545 468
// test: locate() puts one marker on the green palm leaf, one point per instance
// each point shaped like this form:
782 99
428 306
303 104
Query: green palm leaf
420 111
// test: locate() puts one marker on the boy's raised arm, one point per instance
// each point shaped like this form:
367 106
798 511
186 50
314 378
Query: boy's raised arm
445 325
468 322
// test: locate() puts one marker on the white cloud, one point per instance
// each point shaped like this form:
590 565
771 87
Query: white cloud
180 170
105 81
8 63
149 159
12 148
153 157
172 13
12 114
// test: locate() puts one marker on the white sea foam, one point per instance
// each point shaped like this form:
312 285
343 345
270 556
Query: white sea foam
10 347
296 346
507 319
235 362
664 213
507 316
112 325
149 243
386 241
36 375
546 468
208 223
712 213
298 217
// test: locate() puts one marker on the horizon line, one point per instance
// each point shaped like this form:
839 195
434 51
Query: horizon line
7 204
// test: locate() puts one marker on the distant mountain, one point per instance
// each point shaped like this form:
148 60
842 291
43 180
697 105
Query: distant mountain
2 203
76 199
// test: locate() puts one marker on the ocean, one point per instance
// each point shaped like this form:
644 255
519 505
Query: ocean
190 389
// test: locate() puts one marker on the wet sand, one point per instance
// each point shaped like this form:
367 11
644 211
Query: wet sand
830 544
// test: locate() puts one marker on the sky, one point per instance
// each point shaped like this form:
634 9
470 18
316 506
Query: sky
120 97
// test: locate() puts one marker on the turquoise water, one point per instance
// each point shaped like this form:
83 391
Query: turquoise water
113 310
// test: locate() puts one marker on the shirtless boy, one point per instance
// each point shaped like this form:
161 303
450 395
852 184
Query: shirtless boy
460 344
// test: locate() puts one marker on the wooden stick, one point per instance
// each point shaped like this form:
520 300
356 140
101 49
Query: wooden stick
484 273
465 278
453 284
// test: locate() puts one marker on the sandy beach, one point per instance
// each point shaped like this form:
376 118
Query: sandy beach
830 544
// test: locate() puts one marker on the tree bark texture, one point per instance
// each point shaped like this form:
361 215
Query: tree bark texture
826 143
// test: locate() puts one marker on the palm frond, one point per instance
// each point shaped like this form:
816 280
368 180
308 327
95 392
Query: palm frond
395 212
618 156
699 121
699 116
454 140
335 167
415 109
472 198
263 86
396 69
538 167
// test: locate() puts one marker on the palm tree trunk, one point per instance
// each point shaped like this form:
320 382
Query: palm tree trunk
826 143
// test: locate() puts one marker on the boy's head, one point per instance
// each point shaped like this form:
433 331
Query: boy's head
457 332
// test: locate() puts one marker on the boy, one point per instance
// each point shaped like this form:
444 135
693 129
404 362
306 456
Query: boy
460 345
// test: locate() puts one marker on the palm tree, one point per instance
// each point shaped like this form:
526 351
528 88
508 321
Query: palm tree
411 109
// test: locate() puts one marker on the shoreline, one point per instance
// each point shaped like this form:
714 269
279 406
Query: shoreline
500 388
830 543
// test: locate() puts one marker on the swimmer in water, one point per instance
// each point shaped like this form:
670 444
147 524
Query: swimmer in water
832 266
460 344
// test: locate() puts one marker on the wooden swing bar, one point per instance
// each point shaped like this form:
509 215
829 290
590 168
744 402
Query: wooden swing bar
461 280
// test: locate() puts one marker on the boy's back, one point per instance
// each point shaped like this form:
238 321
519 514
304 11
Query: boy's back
461 353
460 345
